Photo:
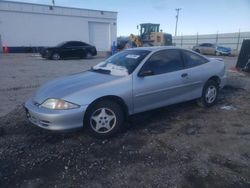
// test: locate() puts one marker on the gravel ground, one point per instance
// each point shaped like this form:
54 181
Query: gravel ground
22 74
178 146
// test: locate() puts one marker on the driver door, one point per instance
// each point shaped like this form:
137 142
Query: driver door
160 82
68 50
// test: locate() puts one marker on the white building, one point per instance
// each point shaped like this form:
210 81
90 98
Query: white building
33 25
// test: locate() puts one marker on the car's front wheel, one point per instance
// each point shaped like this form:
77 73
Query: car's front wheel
104 119
209 94
217 53
88 55
56 56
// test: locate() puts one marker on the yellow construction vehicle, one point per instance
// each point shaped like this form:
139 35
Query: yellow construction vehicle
136 40
149 36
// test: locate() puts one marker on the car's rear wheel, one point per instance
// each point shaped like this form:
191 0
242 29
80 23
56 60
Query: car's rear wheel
56 56
209 94
104 119
88 55
198 51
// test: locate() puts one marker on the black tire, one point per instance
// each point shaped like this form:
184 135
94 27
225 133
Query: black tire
104 111
55 56
208 100
87 55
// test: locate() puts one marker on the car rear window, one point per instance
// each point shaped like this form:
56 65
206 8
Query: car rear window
192 59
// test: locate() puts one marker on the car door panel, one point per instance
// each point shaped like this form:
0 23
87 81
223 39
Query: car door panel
72 50
67 50
165 86
194 82
196 68
211 49
159 90
202 48
80 49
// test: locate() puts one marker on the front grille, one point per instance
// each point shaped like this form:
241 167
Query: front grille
44 123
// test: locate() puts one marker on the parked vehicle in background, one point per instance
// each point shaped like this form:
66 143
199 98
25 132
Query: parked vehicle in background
212 49
68 50
129 82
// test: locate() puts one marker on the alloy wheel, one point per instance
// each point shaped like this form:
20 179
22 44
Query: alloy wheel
103 120
211 94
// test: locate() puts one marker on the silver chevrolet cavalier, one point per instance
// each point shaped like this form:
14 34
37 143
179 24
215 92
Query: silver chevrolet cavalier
131 81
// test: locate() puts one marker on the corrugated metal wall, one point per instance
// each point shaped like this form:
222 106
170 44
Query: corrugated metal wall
232 40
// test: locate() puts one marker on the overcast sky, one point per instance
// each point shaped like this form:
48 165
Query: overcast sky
202 16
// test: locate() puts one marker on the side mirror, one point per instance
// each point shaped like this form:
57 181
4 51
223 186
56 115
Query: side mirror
144 73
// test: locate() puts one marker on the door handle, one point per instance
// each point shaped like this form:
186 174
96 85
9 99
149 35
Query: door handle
184 75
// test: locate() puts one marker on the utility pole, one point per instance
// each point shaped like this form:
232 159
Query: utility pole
177 17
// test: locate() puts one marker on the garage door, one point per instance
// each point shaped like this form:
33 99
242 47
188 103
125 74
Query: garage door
99 35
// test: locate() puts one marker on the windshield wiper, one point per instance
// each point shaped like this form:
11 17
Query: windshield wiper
103 71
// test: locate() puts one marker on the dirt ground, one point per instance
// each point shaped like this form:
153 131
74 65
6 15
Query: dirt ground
177 146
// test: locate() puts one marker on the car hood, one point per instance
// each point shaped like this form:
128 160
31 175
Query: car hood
62 87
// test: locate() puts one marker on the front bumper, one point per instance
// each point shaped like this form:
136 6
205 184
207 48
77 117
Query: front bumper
58 120
223 52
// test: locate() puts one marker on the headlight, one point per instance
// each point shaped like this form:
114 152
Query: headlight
58 104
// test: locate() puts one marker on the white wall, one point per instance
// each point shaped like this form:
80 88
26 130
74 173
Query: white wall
24 24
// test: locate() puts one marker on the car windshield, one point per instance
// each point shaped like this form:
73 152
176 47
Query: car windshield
218 46
123 63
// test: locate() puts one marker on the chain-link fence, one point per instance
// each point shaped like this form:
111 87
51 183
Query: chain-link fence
232 40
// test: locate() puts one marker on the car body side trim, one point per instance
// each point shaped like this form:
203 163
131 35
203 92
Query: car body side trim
166 89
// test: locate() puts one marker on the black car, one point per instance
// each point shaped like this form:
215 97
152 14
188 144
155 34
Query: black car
68 50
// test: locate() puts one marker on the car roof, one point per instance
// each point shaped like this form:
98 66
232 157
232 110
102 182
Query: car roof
155 48
73 41
207 43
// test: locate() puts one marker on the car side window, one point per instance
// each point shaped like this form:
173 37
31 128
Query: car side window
68 44
80 44
192 59
83 44
74 44
164 61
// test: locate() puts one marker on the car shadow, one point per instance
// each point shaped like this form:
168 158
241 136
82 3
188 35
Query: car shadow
161 119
